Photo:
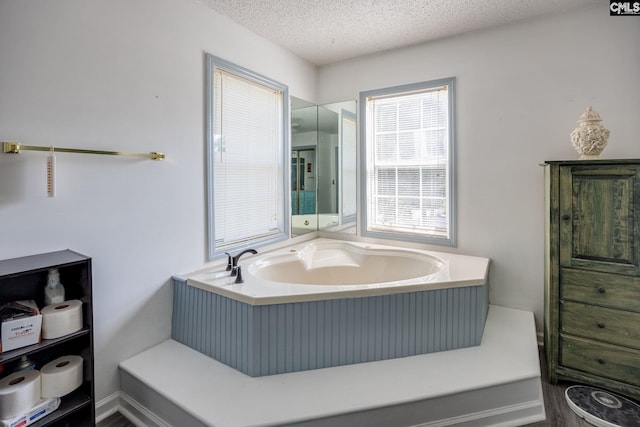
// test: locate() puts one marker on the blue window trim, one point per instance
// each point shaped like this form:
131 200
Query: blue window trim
212 63
351 218
452 240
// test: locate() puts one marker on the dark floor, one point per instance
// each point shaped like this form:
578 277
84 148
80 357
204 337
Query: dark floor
558 413
115 420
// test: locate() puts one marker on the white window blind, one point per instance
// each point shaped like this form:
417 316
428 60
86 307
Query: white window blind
408 162
248 175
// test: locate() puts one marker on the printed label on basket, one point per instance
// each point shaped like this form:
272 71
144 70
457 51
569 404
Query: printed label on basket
42 409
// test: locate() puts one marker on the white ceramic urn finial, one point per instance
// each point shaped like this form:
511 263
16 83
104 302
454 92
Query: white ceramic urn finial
590 137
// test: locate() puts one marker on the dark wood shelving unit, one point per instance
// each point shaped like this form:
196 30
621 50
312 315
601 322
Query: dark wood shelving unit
25 278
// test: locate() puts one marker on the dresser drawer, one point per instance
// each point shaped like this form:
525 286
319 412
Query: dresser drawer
602 324
600 359
604 289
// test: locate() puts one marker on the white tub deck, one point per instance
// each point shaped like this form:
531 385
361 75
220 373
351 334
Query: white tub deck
497 383
457 271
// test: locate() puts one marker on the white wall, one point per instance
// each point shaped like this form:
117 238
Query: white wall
520 90
117 75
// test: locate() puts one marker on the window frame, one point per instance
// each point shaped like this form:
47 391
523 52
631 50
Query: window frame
212 63
365 151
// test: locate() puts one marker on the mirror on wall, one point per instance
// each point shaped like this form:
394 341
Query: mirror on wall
304 141
323 167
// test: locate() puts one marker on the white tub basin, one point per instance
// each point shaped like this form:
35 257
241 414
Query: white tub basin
343 263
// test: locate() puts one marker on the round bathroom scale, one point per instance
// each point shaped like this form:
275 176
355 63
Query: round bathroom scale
601 408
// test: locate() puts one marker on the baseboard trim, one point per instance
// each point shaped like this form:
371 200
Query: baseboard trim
540 338
129 408
138 414
520 414
107 406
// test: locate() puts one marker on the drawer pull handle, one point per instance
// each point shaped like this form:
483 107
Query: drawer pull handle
565 217
602 290
600 361
600 325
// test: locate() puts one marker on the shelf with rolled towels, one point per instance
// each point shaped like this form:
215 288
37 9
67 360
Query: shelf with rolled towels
61 319
32 394
69 354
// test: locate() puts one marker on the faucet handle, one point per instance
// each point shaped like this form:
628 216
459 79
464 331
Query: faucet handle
238 274
229 264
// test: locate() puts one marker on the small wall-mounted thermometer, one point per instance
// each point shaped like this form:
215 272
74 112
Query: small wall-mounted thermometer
51 174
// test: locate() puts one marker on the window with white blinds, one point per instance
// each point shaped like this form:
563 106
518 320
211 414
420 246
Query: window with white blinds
246 159
408 162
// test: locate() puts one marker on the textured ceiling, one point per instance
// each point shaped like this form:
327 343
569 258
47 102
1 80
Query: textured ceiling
326 31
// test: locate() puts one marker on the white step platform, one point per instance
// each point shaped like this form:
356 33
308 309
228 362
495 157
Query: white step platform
495 384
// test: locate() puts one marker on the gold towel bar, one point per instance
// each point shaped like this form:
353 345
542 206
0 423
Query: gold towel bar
16 147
